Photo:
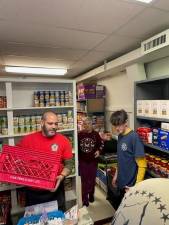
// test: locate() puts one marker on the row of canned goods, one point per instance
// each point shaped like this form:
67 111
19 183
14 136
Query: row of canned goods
3 125
26 124
3 102
52 98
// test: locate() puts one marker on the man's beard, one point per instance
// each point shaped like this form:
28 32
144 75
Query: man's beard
47 133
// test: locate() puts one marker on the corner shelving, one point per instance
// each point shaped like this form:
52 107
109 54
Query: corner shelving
19 93
154 89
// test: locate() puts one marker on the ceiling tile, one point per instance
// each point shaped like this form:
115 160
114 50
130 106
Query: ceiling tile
21 49
162 4
36 62
119 43
96 56
29 34
96 16
148 23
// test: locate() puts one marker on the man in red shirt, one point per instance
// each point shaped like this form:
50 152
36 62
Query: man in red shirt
49 140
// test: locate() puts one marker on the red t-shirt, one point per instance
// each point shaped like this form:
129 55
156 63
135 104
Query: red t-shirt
58 144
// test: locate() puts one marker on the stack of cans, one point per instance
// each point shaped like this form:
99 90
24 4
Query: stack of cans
52 98
3 125
26 124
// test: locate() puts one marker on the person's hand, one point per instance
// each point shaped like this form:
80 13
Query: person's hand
58 181
96 154
126 188
114 181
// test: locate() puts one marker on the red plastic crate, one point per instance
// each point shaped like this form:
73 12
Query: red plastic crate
29 167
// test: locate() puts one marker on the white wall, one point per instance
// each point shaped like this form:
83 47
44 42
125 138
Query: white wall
118 94
120 91
158 68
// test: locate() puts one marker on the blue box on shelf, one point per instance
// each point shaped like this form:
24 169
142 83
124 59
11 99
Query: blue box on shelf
163 139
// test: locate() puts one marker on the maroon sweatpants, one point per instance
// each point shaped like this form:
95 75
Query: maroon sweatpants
88 178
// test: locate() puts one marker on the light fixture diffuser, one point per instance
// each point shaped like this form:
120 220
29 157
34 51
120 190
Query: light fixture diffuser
145 1
35 70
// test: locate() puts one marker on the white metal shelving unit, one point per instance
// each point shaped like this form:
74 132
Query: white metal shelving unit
19 93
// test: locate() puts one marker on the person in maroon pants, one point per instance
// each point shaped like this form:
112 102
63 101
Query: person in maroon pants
89 147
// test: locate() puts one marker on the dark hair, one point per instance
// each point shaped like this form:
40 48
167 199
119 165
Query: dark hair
119 117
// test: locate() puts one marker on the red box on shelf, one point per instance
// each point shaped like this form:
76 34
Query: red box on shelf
29 167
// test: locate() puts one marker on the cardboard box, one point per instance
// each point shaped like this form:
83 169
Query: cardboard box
164 139
86 91
165 126
100 91
140 108
164 109
147 107
155 108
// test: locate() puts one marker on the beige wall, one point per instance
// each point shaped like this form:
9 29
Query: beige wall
158 68
120 91
118 94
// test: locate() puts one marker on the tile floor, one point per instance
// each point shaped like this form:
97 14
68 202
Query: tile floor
101 208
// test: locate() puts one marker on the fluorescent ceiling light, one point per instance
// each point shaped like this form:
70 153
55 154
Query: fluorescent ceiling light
145 1
35 70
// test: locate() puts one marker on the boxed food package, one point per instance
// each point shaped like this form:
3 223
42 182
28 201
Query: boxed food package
155 108
140 109
147 107
145 133
165 126
155 137
86 91
100 91
164 139
164 109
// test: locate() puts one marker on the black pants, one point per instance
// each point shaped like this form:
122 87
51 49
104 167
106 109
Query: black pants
34 197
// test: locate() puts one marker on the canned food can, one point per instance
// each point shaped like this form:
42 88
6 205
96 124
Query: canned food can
5 102
36 95
27 128
4 121
38 119
15 120
21 120
42 104
21 129
33 127
59 118
47 103
38 127
62 103
27 120
57 103
69 113
4 131
33 120
36 103
16 129
52 95
1 102
47 94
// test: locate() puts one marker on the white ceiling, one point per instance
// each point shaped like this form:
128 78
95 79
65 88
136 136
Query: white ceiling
76 34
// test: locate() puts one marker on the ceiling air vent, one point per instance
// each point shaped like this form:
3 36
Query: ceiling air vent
158 41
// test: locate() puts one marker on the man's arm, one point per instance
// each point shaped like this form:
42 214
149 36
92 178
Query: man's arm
68 165
67 169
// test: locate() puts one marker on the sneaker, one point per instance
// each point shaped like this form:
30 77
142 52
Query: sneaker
85 204
91 198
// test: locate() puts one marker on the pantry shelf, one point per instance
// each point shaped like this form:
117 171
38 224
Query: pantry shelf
45 107
152 118
156 148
